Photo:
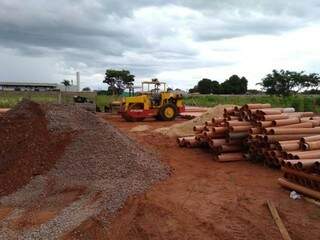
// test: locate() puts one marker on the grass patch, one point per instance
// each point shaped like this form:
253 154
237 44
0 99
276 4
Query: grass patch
10 99
105 100
299 102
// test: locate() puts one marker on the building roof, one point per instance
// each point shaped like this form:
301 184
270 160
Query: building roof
27 84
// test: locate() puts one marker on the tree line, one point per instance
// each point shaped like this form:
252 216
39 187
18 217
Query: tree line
233 85
279 82
282 83
289 82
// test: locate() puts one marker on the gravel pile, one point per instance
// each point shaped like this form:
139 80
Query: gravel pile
100 160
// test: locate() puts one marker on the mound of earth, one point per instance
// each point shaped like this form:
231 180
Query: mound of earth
98 170
186 128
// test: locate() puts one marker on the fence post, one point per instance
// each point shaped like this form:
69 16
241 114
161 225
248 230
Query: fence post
59 97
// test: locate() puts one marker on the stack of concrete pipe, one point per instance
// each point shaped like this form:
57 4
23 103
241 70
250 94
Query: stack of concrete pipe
279 137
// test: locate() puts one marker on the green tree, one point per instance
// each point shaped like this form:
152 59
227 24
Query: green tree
204 86
243 85
234 85
118 80
287 82
66 84
86 89
194 89
215 87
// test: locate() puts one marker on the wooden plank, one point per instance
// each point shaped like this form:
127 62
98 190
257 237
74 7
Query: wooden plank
310 200
284 233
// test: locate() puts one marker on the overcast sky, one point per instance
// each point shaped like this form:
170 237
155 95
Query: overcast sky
178 41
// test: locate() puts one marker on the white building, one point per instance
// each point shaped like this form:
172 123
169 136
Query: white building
40 87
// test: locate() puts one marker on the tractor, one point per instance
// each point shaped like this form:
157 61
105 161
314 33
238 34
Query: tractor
154 101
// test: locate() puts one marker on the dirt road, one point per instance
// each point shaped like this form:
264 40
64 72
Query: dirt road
204 199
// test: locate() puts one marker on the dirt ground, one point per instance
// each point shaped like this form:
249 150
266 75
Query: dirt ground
204 199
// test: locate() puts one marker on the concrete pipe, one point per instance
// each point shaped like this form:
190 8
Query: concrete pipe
300 163
276 162
208 134
230 148
285 122
219 129
228 110
289 146
217 120
271 111
240 129
209 124
230 157
256 106
274 153
275 138
304 190
200 137
315 123
232 118
255 130
287 163
306 139
264 124
300 125
306 163
306 119
284 131
311 145
192 143
233 136
275 117
253 136
217 135
217 142
315 154
307 114
301 174
238 123
289 142
198 128
182 140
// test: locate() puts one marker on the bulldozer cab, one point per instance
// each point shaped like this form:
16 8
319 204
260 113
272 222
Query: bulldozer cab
153 86
154 89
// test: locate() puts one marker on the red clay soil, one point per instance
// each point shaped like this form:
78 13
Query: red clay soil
27 148
204 199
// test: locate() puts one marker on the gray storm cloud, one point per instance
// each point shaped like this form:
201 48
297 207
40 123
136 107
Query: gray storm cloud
148 36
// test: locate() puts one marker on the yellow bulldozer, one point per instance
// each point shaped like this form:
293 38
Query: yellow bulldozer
153 101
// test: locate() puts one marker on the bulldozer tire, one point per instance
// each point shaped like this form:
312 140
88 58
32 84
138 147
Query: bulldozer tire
158 117
168 112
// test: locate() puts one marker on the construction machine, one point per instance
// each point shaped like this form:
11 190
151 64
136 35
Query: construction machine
153 101
85 103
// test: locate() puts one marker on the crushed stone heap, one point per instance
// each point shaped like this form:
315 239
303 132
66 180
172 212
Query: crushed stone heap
102 165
